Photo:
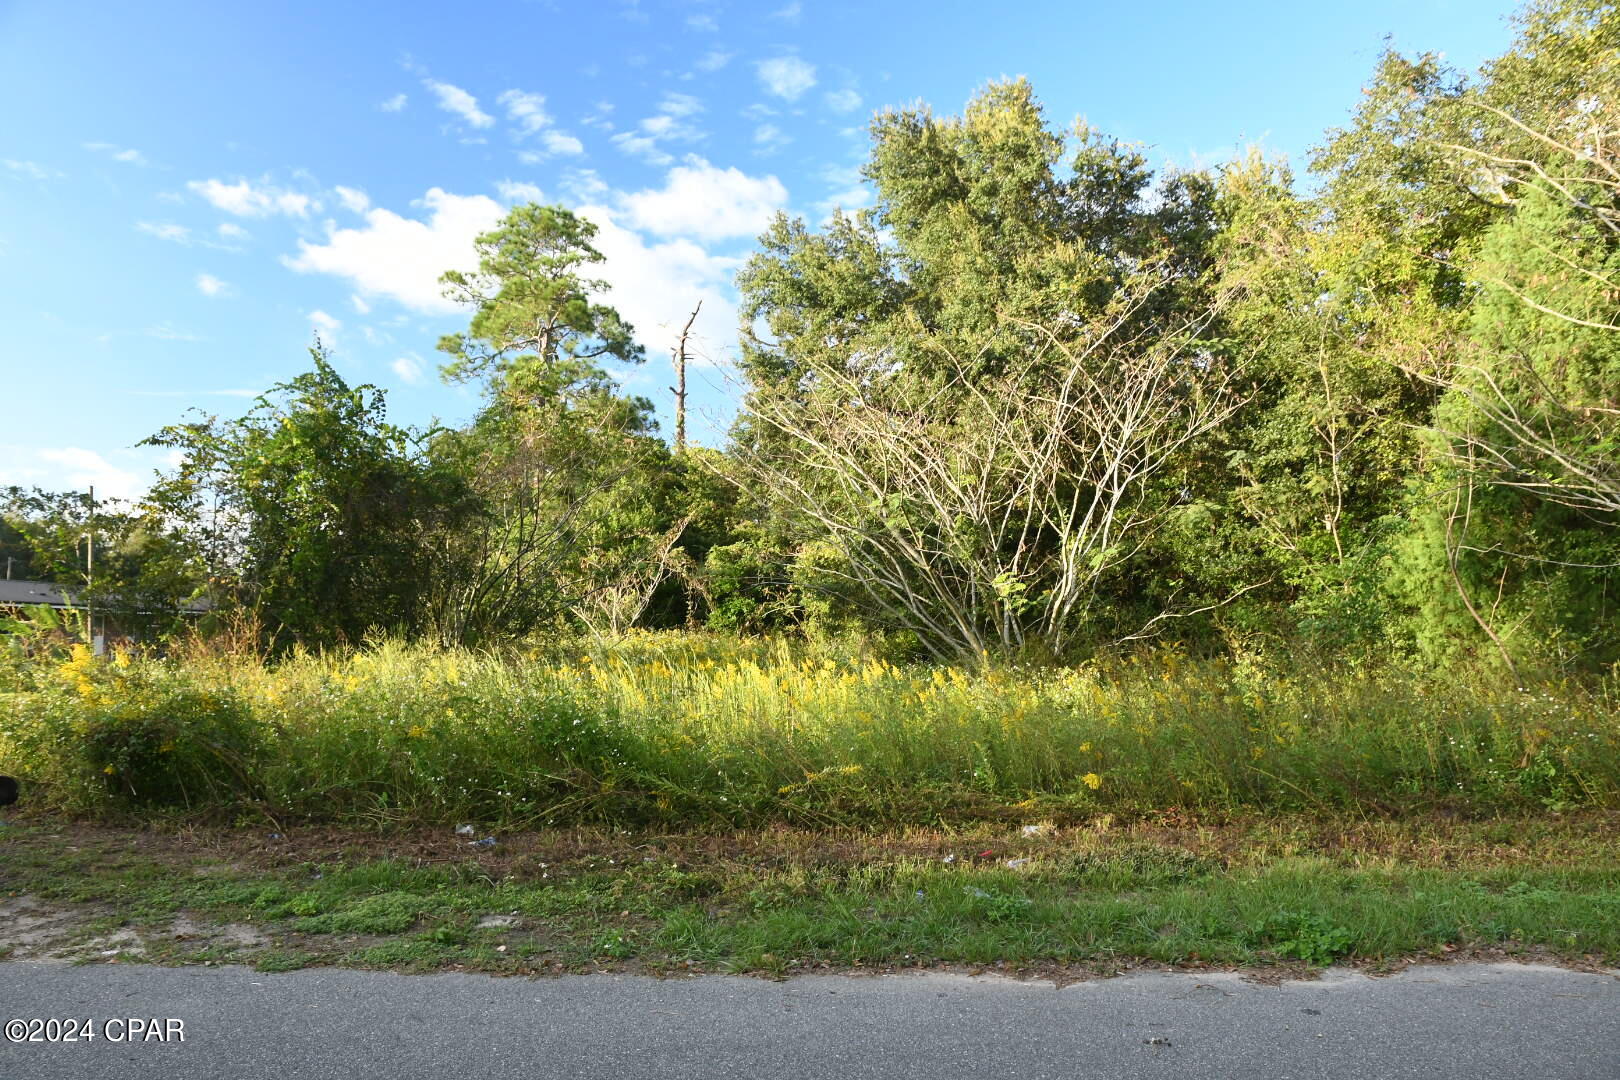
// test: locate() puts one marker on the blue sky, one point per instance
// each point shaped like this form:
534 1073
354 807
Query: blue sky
189 190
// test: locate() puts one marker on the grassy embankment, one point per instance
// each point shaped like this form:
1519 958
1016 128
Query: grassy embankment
1286 892
684 799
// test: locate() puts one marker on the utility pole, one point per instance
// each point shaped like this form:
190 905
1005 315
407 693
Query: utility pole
679 389
90 572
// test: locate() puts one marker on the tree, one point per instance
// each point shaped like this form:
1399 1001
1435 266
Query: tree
568 492
572 490
973 391
16 552
988 525
532 309
310 508
1538 397
1465 250
143 569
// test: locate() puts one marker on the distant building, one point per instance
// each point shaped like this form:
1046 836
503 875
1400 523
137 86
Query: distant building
17 596
27 593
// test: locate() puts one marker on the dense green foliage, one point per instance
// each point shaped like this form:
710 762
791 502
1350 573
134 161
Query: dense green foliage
112 559
1035 404
310 506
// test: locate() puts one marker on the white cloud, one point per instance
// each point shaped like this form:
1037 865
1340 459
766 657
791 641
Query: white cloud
31 169
394 104
704 201
165 230
669 124
644 147
353 198
714 60
561 143
584 185
453 99
409 368
79 468
1206 158
127 156
705 23
598 116
402 258
843 101
360 304
232 231
556 143
527 111
656 286
245 200
786 76
325 325
680 105
121 474
789 13
185 237
518 191
849 192
770 138
213 287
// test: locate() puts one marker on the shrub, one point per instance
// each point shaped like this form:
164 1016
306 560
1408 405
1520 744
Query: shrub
135 733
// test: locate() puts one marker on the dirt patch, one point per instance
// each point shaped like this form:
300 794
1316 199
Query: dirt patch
31 928
230 935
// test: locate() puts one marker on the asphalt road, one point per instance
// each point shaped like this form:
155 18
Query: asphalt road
1462 1021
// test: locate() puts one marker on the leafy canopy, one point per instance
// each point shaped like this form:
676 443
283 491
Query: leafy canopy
533 315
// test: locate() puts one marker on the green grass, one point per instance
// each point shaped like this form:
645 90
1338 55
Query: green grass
783 901
687 729
279 960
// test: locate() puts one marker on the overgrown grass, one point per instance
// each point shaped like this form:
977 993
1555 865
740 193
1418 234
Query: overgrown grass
692 729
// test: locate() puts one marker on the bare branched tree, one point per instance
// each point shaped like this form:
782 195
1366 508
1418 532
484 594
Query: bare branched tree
982 512
679 356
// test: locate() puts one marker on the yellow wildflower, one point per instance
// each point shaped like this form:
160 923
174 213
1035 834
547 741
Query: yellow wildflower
1091 780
